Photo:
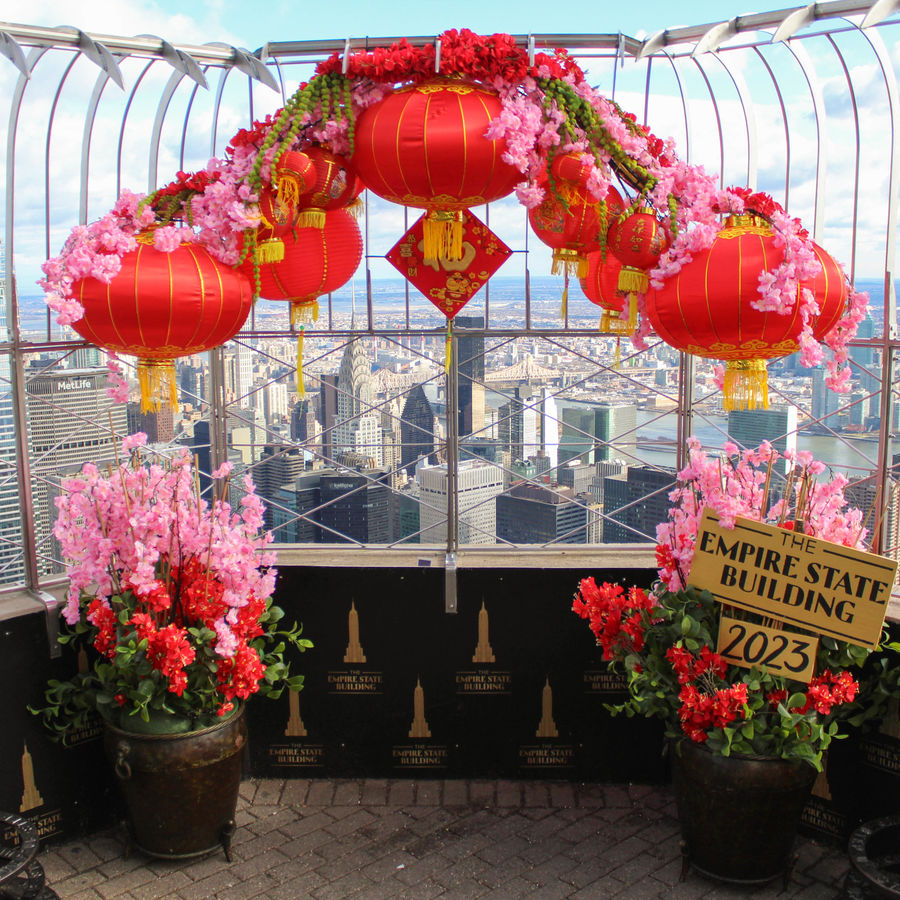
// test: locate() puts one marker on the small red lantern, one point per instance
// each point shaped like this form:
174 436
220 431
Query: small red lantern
424 146
831 290
334 185
161 306
316 261
569 219
637 241
295 175
601 287
705 308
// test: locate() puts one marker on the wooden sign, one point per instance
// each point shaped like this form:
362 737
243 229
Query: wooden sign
773 650
812 583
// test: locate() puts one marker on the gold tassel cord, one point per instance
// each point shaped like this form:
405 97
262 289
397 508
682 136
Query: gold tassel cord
442 235
304 312
564 310
301 387
746 384
288 188
311 218
618 359
570 263
633 281
270 250
158 384
448 347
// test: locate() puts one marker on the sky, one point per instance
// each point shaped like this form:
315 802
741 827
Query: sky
250 25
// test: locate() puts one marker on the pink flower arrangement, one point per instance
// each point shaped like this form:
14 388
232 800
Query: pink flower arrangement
663 640
739 485
172 593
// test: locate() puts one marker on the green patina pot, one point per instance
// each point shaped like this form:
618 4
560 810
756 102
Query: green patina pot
739 814
181 787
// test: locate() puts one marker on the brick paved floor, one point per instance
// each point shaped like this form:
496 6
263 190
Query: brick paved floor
373 839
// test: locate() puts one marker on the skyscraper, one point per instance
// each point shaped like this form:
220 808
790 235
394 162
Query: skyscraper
597 432
748 428
69 418
280 464
634 503
416 430
355 506
357 427
538 514
470 351
517 426
478 485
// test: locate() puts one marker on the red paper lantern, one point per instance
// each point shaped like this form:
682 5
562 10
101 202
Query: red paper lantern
161 306
424 146
569 219
334 185
705 308
601 287
831 290
295 176
637 241
316 262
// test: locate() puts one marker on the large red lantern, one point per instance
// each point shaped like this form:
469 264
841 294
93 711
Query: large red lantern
637 241
424 145
316 261
161 306
569 219
706 309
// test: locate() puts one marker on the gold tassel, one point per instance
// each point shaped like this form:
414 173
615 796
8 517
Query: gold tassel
613 322
448 347
311 218
565 299
569 262
301 387
304 312
158 384
633 280
271 250
288 188
442 233
618 358
356 208
746 384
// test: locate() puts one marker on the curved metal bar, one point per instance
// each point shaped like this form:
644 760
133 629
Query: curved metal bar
746 101
187 118
684 104
50 119
87 133
161 109
787 131
125 113
712 96
217 105
803 59
96 52
855 220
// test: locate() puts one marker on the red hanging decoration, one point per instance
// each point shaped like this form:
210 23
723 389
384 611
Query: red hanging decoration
831 291
706 309
637 241
424 146
334 185
569 219
316 261
600 286
295 175
450 284
161 306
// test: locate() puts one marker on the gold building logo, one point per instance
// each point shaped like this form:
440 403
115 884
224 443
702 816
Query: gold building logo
31 796
354 652
547 727
483 652
295 726
419 727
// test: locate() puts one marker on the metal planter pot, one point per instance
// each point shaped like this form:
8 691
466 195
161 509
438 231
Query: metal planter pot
739 815
180 790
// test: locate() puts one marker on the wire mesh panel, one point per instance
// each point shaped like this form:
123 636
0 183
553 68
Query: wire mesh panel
523 425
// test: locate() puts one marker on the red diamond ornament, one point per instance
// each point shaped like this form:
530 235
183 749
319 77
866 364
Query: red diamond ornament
449 284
